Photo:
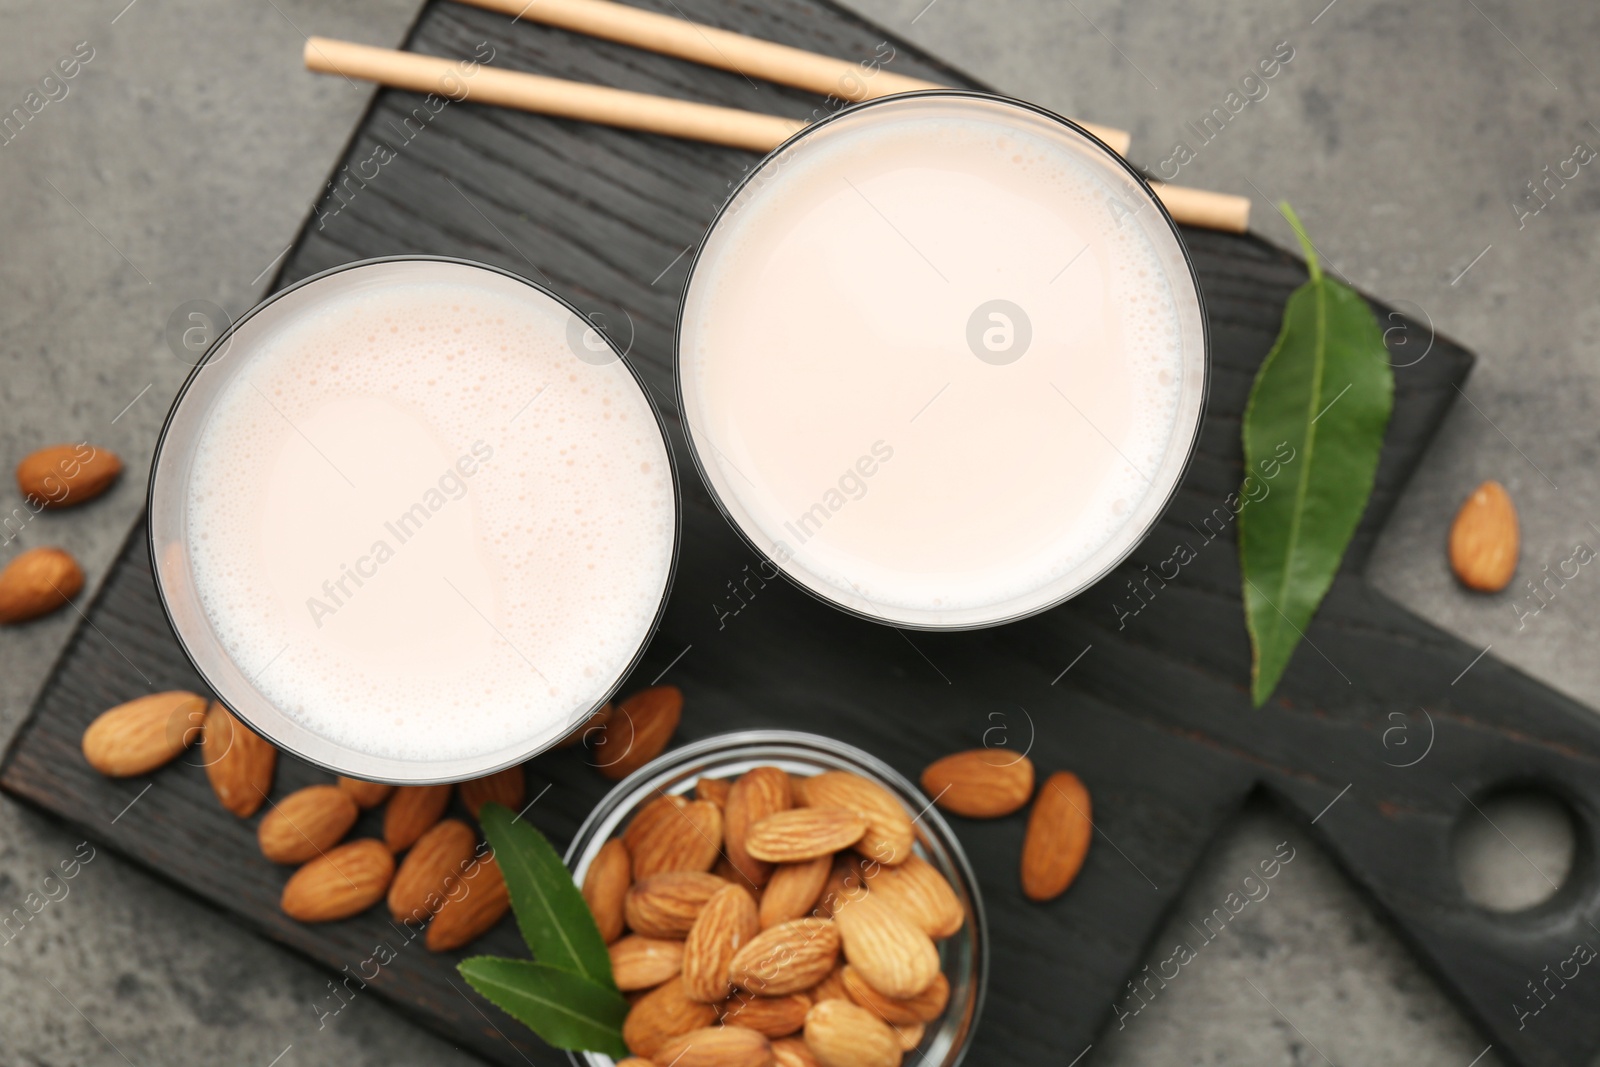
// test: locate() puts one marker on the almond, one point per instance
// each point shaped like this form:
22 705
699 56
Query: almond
981 783
924 1007
507 788
634 1061
757 794
889 835
431 869
772 1016
895 957
143 734
845 884
412 810
651 817
306 823
793 890
637 731
841 1034
365 794
831 987
63 475
803 834
605 887
920 893
1485 540
686 837
474 905
645 962
717 1046
661 1015
910 1035
239 762
582 731
792 1052
713 789
343 882
666 905
788 958
1058 837
38 582
724 926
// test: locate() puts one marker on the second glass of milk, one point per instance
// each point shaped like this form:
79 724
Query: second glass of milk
942 359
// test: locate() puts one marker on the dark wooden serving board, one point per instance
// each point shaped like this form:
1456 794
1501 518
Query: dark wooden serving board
1155 716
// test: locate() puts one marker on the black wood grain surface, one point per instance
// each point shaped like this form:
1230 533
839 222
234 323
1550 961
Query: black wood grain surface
1153 713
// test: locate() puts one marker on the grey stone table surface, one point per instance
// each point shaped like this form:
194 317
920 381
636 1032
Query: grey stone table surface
183 156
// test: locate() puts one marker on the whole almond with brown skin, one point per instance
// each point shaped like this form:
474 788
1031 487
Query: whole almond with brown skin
38 582
306 823
605 887
1058 837
666 905
789 958
343 882
637 731
842 1034
889 835
981 783
724 926
894 956
365 794
793 890
845 884
474 905
64 475
648 819
772 1016
688 837
792 1052
756 794
910 1035
713 789
431 869
661 1015
924 1007
1485 539
634 1061
143 734
803 834
831 987
239 762
507 787
920 893
645 962
717 1046
411 812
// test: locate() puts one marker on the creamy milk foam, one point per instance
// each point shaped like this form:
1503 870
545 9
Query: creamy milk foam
422 525
942 361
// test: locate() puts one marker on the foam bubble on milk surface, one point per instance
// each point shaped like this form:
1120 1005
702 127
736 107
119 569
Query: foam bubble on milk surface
893 233
424 527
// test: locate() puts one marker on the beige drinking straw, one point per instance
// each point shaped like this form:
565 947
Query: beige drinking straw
749 56
641 111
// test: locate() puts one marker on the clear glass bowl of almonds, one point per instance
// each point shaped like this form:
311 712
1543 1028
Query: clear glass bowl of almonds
776 897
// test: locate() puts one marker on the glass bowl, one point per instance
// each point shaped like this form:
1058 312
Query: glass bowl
963 957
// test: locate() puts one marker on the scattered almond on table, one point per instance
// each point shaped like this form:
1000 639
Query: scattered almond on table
1485 539
66 475
37 582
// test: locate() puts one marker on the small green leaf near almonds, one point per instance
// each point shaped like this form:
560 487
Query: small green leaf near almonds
555 922
564 1008
1325 391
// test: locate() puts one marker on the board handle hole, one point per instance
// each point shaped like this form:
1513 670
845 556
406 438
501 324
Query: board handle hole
1515 847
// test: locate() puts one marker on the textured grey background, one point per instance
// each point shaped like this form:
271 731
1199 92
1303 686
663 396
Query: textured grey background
187 152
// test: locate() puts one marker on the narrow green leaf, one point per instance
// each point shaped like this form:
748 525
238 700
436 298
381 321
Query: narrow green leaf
550 911
1313 430
564 1008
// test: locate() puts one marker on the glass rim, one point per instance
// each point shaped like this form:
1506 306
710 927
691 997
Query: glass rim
322 752
1204 340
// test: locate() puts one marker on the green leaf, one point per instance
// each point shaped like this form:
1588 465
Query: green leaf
1312 431
555 921
564 1008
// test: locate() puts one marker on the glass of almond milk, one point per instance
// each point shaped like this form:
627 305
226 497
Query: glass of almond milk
413 519
942 358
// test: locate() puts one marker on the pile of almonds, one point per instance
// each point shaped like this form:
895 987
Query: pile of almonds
41 580
774 919
429 868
